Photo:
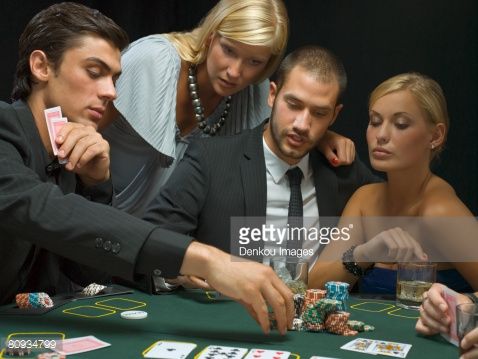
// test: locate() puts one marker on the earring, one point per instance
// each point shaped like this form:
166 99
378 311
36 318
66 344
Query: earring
432 146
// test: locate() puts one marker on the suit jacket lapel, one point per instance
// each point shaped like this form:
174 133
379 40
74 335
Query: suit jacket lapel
253 174
326 187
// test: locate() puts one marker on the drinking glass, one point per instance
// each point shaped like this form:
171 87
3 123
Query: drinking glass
414 279
466 320
294 274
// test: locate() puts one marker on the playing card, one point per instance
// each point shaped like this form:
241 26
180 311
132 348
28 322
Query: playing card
56 124
53 112
80 345
360 345
222 352
392 349
450 297
165 349
267 354
53 115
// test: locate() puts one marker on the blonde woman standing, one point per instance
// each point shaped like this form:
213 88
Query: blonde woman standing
182 86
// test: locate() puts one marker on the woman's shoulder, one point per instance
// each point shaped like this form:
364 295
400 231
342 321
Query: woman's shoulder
370 190
365 200
149 50
147 90
440 199
150 42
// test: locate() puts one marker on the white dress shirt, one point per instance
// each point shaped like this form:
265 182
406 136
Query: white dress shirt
278 195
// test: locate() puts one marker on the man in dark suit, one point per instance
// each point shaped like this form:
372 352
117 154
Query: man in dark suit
245 175
55 230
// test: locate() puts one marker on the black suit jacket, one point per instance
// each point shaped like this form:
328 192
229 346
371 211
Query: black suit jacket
50 224
224 177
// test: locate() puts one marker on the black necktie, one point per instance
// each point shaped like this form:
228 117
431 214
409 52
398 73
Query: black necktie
296 210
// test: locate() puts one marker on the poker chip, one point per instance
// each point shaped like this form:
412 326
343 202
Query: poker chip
134 314
297 324
368 328
356 325
92 289
33 300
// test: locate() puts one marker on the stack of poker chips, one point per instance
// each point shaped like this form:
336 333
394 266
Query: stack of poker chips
298 305
314 316
337 323
323 314
338 291
92 289
312 296
33 300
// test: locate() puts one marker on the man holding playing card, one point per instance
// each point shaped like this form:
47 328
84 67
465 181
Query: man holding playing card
55 227
437 315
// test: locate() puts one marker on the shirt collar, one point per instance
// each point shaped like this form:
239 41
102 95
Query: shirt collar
277 167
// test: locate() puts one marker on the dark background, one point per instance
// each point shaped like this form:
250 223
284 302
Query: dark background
376 39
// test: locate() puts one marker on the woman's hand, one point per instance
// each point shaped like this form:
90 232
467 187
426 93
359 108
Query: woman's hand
392 245
338 150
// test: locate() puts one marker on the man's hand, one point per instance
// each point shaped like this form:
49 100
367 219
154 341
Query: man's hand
338 150
88 153
469 343
254 285
434 310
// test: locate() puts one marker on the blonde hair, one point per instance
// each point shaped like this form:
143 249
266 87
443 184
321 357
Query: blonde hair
425 90
252 22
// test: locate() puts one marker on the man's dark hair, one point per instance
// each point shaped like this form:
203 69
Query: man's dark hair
320 62
55 30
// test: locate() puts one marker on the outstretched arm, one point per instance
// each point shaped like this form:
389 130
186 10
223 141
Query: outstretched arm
252 284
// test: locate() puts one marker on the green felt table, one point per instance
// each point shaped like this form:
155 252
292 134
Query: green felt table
190 316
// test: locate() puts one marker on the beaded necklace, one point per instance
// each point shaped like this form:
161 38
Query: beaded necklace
199 109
